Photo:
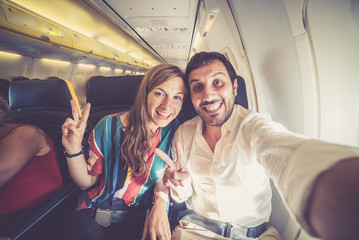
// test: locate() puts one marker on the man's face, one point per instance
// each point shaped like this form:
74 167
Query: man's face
212 93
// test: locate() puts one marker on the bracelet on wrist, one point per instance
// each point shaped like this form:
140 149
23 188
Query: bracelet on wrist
68 155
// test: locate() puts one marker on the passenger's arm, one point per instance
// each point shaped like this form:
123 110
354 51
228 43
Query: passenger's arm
157 223
298 166
73 131
18 148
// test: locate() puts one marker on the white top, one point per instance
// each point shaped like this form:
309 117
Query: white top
231 183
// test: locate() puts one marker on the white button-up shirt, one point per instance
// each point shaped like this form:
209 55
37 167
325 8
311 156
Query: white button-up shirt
231 184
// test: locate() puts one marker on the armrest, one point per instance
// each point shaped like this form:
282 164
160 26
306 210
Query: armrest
62 202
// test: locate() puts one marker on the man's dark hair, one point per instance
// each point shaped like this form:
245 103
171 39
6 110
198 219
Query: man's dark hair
204 58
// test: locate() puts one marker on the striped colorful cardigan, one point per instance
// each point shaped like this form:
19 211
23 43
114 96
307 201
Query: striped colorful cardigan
115 179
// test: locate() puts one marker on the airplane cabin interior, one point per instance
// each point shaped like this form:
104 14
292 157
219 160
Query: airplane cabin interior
297 60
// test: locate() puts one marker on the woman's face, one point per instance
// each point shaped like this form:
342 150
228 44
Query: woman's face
164 102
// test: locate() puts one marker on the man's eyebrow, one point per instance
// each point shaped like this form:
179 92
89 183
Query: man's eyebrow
218 73
213 75
193 80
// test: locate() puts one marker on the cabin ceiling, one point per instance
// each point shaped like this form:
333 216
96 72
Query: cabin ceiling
165 25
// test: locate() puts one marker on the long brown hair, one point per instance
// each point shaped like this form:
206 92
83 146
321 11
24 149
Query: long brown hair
137 137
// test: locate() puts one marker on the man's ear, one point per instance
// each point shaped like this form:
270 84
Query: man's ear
235 86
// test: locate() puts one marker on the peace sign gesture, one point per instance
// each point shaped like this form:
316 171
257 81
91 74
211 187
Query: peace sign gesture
176 172
74 128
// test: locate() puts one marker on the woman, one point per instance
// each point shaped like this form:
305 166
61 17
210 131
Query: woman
121 171
29 176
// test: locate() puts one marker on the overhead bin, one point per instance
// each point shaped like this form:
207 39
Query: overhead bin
86 44
16 20
19 21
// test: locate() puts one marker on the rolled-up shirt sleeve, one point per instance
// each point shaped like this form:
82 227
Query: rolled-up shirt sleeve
291 160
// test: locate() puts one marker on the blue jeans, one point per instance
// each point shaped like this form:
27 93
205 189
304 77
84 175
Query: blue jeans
218 227
82 225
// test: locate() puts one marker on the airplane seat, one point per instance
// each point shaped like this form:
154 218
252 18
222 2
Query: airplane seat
45 104
187 112
109 95
4 89
281 218
241 97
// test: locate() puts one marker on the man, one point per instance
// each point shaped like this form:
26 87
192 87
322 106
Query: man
228 151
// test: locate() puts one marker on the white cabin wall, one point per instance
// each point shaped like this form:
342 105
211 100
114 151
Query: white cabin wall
44 68
305 76
334 29
13 65
81 73
307 67
271 53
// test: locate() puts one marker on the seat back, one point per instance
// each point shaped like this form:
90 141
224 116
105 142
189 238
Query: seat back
4 89
110 95
114 94
241 97
45 104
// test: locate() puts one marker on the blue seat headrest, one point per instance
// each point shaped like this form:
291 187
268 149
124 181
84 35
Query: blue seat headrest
39 94
112 91
241 97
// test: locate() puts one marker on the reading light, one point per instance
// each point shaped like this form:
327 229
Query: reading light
8 55
106 69
86 66
54 61
210 20
119 71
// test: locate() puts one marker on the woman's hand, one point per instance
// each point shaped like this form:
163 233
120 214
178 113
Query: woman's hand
74 128
157 225
73 131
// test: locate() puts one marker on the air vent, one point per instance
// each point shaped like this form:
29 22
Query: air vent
161 29
159 22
